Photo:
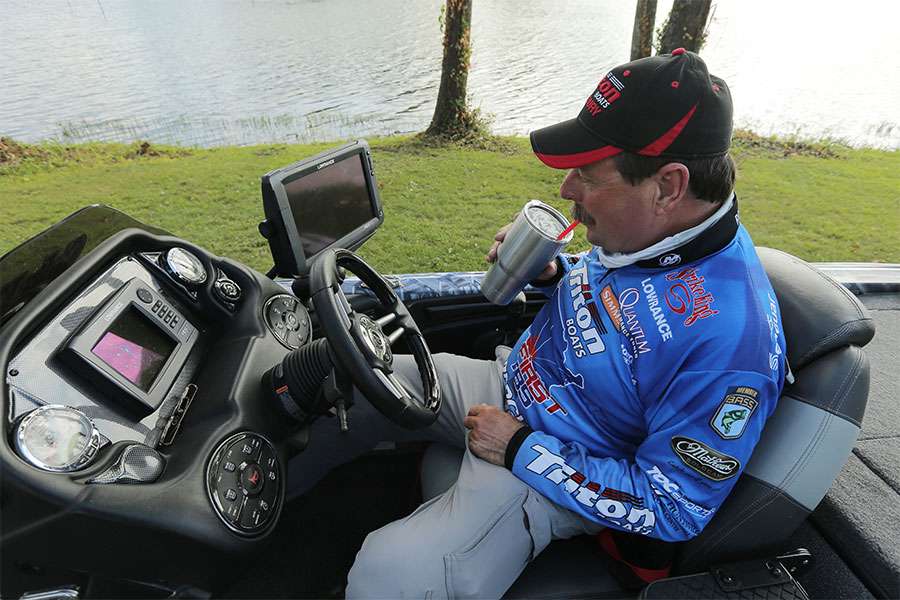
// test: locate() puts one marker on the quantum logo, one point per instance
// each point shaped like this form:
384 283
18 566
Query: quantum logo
632 328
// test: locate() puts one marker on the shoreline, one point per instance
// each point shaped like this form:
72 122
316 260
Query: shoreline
821 201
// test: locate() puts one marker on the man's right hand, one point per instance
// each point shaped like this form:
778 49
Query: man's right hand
549 271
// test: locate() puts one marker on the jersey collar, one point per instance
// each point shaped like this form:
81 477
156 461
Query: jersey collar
704 239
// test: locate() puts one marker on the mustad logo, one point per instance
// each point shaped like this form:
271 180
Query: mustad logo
703 459
327 163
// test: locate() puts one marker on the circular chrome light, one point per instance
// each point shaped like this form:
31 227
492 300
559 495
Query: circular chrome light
185 266
57 438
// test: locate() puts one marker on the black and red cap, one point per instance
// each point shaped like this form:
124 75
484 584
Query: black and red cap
666 105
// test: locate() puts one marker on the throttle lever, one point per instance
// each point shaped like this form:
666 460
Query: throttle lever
339 394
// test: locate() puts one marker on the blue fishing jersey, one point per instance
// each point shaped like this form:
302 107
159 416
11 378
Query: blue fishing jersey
645 388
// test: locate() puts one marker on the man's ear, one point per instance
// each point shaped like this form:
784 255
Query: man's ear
672 182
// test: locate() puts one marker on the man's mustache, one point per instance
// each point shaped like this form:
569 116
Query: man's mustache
577 211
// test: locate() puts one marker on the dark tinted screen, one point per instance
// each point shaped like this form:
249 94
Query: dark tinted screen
329 203
135 348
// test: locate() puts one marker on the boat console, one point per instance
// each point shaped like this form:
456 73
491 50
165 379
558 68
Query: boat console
137 382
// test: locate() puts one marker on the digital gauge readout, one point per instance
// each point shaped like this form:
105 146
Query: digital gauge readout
57 438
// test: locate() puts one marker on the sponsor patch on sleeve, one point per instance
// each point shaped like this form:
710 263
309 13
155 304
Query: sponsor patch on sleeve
707 461
733 414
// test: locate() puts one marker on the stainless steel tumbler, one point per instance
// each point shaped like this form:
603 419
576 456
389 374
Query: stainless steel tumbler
529 245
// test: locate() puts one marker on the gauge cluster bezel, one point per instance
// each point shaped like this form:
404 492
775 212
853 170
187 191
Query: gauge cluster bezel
169 321
88 453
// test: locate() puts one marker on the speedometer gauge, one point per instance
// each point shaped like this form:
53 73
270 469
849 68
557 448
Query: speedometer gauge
185 266
57 438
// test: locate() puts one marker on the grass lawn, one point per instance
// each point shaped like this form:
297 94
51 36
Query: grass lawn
442 204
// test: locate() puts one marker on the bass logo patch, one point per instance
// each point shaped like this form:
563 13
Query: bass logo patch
733 414
710 463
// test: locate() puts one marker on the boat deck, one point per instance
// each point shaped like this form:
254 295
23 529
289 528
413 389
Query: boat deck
860 516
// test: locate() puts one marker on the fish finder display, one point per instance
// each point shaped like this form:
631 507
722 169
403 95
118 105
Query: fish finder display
329 203
135 348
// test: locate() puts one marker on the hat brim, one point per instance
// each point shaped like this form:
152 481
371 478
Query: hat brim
569 145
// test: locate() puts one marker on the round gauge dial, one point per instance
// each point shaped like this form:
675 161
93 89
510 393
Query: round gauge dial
57 438
185 266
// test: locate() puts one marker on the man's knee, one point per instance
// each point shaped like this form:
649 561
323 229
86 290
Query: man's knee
390 563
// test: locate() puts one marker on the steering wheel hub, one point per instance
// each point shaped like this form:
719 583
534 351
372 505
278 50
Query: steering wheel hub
374 338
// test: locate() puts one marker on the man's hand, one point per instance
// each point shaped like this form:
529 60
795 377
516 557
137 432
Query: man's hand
491 431
548 273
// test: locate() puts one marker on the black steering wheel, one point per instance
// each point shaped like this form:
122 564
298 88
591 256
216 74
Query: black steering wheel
361 348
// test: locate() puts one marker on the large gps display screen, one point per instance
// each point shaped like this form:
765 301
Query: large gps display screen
330 202
135 348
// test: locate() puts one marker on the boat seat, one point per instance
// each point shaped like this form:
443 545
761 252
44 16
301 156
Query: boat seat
803 447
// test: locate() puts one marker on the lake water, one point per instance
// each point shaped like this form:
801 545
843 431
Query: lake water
213 72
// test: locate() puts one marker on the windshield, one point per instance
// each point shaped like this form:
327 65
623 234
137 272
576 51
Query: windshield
34 264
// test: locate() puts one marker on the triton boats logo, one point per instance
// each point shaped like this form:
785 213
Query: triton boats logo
584 331
625 510
608 91
710 463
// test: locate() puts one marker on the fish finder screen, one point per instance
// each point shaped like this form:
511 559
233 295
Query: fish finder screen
135 348
330 202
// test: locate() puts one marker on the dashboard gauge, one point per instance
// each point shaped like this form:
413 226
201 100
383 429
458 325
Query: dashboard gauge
184 266
57 438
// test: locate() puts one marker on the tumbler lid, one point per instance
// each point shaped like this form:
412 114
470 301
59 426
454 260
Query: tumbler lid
548 221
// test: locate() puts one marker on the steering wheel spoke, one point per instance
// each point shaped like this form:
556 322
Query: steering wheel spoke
361 347
387 319
396 335
391 382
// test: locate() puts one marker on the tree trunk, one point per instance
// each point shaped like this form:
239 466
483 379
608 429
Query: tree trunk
642 36
685 27
451 117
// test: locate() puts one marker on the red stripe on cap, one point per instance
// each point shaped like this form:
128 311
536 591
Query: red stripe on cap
579 159
659 146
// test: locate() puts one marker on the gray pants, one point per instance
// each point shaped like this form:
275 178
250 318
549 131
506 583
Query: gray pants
471 541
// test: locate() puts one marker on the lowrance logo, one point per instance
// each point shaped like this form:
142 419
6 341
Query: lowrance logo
327 163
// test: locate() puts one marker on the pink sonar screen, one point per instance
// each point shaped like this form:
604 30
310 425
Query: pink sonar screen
127 358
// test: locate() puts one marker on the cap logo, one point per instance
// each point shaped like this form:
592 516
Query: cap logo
608 91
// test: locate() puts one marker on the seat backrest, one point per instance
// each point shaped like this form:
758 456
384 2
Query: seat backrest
810 435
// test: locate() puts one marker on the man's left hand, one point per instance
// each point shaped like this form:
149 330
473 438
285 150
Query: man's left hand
491 431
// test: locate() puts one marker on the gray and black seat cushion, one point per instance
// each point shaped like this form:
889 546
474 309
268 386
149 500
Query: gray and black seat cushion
804 445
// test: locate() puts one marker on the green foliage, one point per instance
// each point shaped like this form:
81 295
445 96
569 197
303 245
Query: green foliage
443 200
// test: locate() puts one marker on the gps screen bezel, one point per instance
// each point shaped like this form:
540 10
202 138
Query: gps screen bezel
287 247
